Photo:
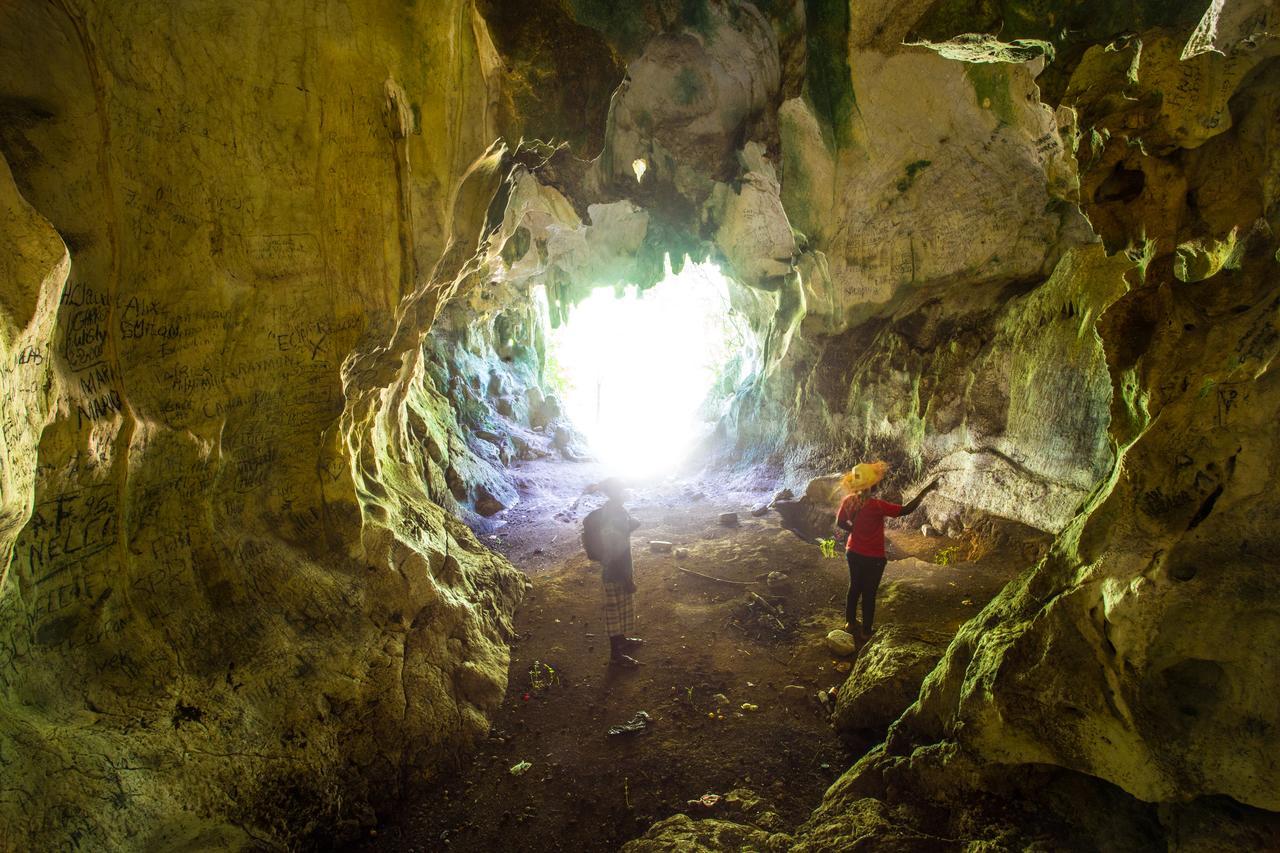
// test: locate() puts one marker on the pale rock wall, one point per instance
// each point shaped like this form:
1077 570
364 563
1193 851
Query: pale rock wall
34 265
1162 582
930 220
232 611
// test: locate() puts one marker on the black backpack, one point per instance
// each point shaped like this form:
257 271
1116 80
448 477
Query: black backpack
592 535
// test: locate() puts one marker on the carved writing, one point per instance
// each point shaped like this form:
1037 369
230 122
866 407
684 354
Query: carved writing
65 530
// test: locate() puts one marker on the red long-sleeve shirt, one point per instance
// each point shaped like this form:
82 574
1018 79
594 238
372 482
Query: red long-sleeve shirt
867 534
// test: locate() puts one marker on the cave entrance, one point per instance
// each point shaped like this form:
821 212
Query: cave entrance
645 374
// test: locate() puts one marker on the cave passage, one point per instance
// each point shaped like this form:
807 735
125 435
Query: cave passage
644 374
326 327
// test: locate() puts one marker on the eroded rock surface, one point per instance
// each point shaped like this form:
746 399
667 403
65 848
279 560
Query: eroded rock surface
886 678
232 614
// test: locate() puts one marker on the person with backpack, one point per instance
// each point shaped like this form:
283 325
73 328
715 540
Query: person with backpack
863 517
606 537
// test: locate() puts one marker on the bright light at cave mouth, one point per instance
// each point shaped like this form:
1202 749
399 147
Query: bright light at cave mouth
636 371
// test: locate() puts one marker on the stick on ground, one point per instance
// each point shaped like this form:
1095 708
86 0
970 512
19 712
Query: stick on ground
712 578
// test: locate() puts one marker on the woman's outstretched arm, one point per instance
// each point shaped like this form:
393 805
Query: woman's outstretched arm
914 504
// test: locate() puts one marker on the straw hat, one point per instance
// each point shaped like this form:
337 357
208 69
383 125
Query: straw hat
863 476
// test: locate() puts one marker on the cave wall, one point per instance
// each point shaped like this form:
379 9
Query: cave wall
231 611
936 205
1163 581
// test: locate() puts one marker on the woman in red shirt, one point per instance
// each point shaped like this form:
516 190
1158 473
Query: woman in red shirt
863 517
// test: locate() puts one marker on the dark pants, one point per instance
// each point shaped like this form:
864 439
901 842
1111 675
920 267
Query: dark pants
864 580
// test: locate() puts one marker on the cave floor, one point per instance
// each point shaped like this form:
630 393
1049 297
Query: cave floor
588 791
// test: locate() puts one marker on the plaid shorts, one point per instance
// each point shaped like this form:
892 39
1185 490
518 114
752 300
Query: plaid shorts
619 609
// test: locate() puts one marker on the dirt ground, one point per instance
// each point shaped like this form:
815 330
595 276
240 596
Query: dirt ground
712 681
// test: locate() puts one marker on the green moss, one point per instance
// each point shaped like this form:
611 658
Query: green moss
991 89
912 170
688 86
773 8
623 24
829 81
917 167
697 16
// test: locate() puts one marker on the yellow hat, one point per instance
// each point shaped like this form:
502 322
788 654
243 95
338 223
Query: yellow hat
864 475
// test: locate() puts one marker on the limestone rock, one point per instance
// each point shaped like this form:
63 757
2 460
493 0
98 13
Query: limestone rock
886 678
754 232
681 832
231 571
685 98
33 271
813 514
486 504
841 643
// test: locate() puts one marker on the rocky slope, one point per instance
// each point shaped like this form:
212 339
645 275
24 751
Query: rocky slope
272 308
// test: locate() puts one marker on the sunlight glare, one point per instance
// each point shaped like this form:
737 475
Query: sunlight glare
635 371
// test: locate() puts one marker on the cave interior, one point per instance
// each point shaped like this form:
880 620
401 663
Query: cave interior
324 327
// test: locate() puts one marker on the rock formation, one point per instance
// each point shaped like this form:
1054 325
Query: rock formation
885 679
274 294
231 610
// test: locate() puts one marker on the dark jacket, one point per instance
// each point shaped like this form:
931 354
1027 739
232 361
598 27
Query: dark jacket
616 530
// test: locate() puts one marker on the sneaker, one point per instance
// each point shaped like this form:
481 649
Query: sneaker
624 661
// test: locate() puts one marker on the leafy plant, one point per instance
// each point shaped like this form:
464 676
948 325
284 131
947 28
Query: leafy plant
542 675
947 556
828 546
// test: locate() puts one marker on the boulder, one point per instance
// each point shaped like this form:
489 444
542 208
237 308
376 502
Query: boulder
486 504
886 678
709 835
841 643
